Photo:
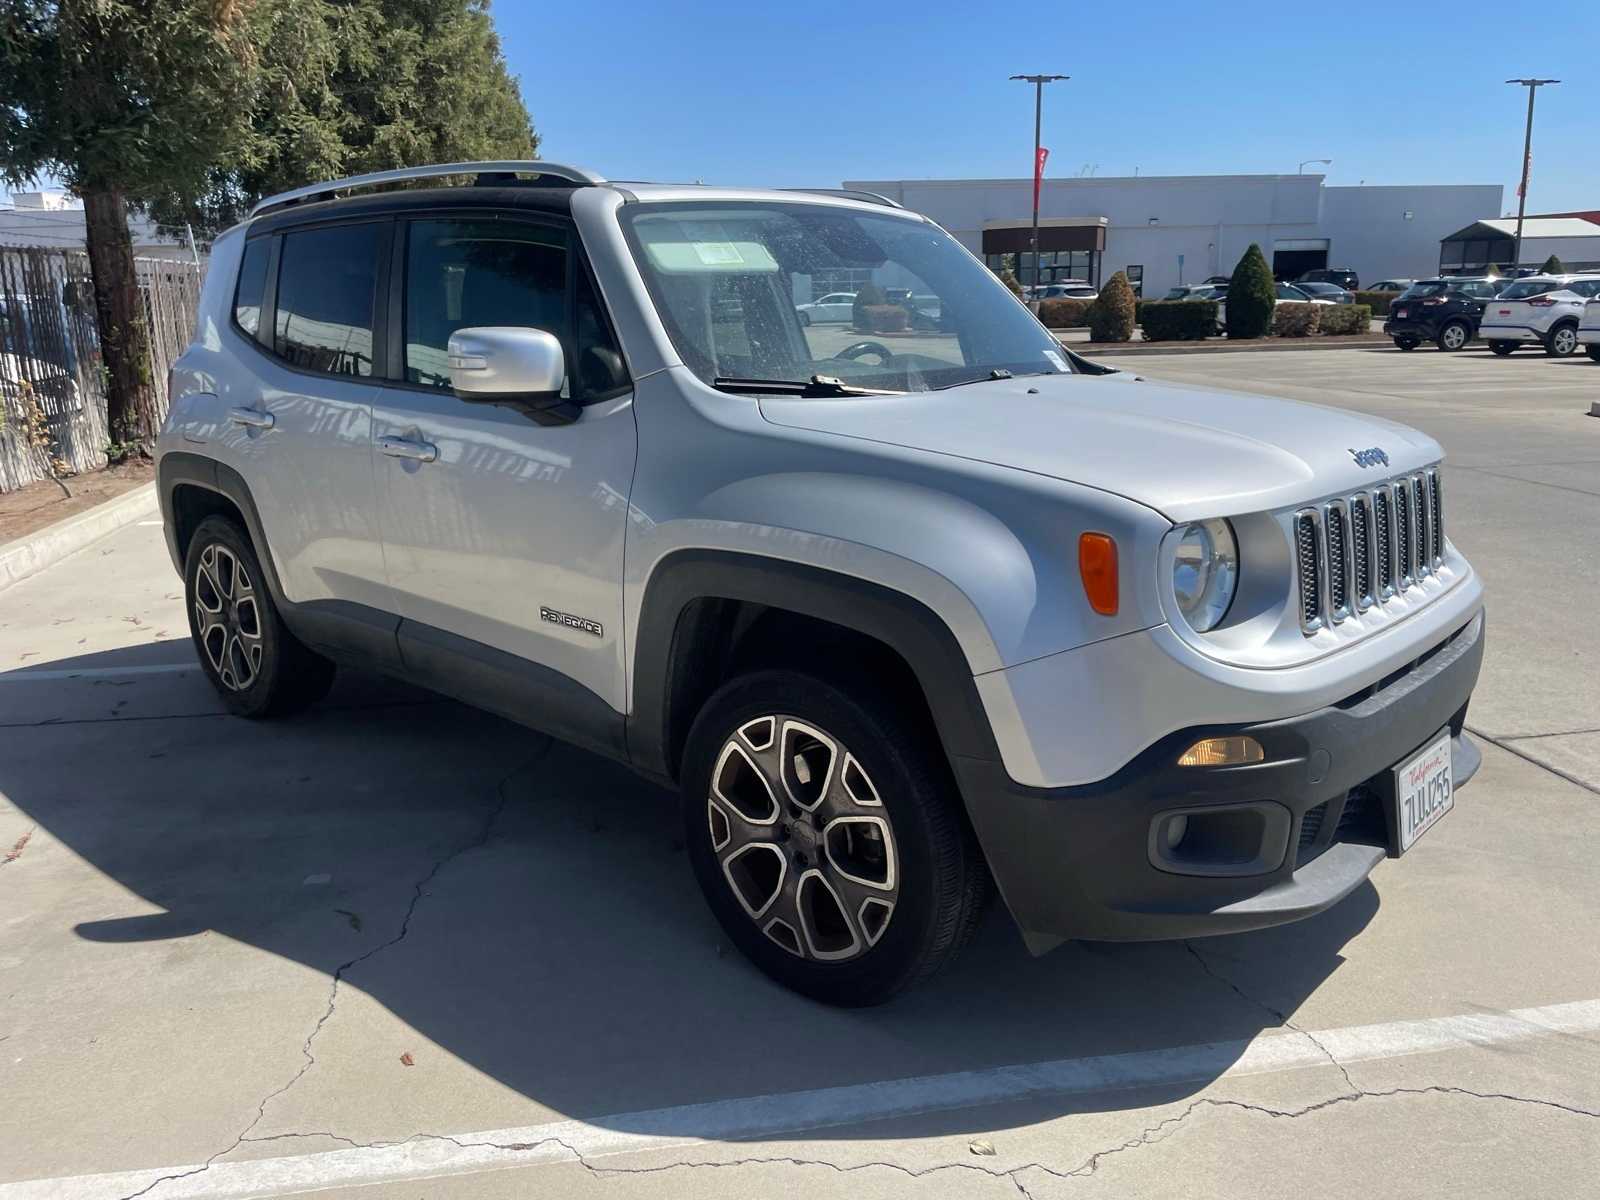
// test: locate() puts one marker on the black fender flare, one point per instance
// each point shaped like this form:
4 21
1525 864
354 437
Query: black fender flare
907 626
346 631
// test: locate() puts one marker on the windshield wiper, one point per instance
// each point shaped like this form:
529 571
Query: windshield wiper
818 387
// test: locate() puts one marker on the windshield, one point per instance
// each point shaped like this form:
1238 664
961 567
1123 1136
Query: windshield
733 282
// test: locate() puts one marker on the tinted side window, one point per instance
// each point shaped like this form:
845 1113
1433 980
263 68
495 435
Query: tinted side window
461 273
326 279
252 285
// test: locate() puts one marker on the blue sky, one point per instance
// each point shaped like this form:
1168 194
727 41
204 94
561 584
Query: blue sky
821 91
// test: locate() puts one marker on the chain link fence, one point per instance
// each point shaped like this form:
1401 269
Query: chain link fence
52 388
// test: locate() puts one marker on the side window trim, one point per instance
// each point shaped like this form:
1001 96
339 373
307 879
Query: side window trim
603 314
269 296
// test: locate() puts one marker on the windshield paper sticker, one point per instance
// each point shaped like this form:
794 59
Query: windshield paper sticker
1056 360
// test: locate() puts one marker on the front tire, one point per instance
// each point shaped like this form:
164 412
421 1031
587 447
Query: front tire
1454 336
828 837
257 666
1562 342
1594 350
1502 348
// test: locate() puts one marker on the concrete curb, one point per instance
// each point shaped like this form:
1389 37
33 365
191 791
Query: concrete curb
1223 346
45 547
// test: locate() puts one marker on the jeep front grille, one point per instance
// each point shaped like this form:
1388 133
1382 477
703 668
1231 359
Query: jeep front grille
1360 551
1305 548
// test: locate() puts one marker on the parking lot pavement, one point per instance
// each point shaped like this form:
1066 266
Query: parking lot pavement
397 947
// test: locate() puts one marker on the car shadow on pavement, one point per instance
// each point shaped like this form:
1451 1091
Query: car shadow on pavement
529 908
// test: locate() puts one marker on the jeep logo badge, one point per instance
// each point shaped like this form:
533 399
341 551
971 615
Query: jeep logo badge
1371 457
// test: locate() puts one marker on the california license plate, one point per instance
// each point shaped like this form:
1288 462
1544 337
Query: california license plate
1423 791
1400 312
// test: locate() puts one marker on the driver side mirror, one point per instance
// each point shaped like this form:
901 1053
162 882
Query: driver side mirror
516 366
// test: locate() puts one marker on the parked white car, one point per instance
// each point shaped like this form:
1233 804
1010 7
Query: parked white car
1067 289
1541 308
1589 328
834 307
1288 293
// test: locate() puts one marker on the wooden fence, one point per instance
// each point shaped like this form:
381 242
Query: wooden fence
51 382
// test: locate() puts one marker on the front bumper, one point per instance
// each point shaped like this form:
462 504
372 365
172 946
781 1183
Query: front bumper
1423 329
1081 862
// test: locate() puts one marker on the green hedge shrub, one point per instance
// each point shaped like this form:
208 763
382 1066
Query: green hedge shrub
883 318
869 295
1178 320
1553 266
1292 318
1111 316
1251 296
1378 302
1064 313
1010 280
1344 318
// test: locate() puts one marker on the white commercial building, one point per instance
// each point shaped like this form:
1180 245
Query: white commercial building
1165 230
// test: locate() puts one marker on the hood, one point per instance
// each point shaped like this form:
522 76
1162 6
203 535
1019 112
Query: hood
1189 453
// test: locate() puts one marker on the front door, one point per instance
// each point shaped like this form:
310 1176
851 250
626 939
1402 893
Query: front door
503 536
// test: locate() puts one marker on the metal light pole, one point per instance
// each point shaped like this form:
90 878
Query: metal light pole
1533 85
1327 162
1038 82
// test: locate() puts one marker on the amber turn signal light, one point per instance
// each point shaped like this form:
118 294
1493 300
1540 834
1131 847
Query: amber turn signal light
1222 752
1097 563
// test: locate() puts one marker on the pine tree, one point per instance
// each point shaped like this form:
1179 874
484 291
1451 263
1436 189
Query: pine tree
1111 315
1252 295
121 100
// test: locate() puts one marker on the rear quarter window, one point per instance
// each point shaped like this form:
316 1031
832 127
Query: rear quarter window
252 286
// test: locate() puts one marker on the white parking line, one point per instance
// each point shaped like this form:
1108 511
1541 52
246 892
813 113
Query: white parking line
798 1112
23 675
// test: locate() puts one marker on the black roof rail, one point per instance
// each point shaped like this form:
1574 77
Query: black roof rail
500 172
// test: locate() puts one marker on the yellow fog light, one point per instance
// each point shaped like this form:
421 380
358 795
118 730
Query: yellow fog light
1222 752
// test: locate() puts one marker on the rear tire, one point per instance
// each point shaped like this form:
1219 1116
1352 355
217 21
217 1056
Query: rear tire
1562 342
1406 343
258 667
1502 348
872 888
1454 336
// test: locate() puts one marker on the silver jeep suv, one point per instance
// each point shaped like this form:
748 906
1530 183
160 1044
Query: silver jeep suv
901 606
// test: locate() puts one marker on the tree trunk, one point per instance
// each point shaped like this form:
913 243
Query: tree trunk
120 314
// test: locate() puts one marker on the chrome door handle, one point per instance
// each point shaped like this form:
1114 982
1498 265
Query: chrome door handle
254 418
396 447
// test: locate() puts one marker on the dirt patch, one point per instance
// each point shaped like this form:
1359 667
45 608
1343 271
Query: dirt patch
29 509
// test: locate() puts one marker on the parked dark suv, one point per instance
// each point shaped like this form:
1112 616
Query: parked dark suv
1343 276
1443 311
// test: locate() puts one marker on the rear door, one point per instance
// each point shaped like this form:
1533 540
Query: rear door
503 536
300 431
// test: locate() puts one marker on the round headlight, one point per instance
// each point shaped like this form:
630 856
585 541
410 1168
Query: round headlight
1205 573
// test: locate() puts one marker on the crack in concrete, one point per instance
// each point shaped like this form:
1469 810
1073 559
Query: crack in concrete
1505 745
1151 1135
485 833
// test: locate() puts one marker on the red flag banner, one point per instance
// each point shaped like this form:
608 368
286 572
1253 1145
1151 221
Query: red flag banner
1038 172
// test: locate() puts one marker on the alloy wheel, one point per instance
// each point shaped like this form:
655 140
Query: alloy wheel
228 618
1564 341
803 839
1454 337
